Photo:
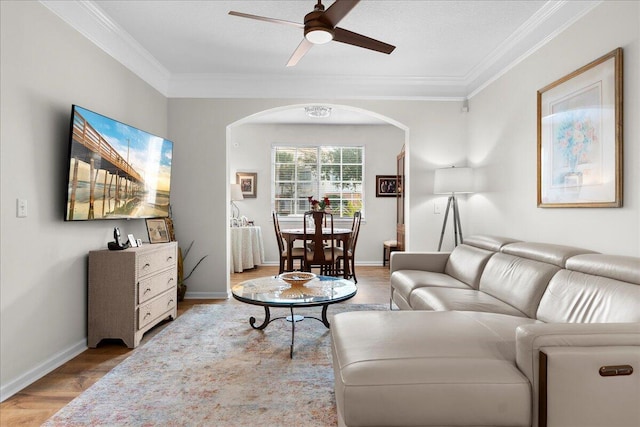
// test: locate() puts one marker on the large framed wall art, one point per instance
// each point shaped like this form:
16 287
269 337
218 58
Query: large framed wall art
580 137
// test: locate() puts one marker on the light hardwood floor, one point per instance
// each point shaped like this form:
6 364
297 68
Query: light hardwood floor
39 401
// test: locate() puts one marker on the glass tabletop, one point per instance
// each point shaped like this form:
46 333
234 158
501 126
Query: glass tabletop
273 291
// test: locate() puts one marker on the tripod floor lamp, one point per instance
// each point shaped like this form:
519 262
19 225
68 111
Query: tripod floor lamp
452 181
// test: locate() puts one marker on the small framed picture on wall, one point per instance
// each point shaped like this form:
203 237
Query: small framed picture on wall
248 184
386 185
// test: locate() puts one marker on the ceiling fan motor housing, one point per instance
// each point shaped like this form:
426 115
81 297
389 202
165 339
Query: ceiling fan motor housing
316 29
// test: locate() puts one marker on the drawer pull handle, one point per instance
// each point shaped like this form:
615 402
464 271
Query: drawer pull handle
146 290
170 302
614 371
169 258
146 315
147 265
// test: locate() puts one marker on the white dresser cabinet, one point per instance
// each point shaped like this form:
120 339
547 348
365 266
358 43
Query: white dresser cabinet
131 291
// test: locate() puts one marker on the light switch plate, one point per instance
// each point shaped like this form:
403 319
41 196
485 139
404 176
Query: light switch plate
21 208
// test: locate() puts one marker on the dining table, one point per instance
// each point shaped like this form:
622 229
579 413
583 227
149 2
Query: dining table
342 235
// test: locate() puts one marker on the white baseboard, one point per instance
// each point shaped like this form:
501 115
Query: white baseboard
57 360
206 295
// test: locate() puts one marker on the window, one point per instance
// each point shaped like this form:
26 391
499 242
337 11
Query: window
325 171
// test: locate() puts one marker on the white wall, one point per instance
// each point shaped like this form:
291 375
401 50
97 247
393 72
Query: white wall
250 151
503 146
436 138
45 67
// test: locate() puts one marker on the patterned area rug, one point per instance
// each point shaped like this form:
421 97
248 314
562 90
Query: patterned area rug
210 368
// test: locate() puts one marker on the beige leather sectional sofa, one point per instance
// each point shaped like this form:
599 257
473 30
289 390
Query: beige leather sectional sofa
496 333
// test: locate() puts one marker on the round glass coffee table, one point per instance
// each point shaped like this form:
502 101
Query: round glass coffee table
271 291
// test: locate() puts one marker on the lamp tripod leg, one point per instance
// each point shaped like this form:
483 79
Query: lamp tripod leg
457 225
444 223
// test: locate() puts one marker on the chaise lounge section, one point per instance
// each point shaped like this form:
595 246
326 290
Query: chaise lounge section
498 332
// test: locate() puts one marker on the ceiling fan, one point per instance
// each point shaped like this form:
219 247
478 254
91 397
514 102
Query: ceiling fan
320 26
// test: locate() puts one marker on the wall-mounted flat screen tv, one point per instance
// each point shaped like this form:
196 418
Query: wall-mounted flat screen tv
115 170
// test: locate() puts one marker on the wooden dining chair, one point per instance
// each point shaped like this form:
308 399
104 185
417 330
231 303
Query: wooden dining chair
296 253
316 253
343 258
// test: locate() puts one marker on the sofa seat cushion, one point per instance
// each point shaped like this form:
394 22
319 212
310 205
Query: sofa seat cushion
428 368
403 282
440 299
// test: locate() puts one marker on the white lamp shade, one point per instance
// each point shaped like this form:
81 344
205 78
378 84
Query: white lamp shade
236 193
453 180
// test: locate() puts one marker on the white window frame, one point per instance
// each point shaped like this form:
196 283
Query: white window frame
298 214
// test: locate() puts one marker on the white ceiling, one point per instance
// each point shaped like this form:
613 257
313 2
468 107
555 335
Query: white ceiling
444 49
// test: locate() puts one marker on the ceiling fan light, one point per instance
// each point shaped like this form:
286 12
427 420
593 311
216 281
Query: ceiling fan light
319 35
318 111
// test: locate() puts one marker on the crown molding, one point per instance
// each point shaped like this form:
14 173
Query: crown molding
88 19
552 19
314 86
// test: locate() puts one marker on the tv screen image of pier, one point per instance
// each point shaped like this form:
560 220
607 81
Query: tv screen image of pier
115 170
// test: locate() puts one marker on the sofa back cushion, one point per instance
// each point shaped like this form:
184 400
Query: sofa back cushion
490 243
594 289
544 252
466 263
517 281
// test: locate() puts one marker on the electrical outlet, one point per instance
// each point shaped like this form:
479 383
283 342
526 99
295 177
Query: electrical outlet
437 208
21 208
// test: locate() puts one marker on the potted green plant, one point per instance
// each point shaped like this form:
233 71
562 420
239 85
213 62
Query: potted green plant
182 287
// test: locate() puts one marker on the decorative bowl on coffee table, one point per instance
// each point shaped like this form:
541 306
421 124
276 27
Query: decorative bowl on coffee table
297 278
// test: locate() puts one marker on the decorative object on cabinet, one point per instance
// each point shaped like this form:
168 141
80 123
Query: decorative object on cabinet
580 137
182 287
116 244
248 184
157 230
386 185
236 196
130 291
452 181
170 228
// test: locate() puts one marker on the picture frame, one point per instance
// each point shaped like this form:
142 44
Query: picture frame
386 186
248 184
132 241
157 230
579 147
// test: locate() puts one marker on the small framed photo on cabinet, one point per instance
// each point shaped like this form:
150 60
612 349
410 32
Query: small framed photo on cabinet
157 230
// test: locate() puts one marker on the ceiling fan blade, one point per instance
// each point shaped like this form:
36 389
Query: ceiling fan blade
264 18
349 37
300 51
339 10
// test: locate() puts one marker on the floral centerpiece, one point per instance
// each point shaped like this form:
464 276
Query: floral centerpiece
319 205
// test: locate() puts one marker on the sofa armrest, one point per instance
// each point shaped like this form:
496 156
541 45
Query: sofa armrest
562 363
426 261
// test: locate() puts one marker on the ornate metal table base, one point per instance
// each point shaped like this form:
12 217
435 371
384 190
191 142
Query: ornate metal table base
292 318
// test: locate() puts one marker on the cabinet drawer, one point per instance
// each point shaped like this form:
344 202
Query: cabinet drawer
147 313
155 285
152 262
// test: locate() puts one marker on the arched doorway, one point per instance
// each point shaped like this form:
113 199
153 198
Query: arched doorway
249 142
